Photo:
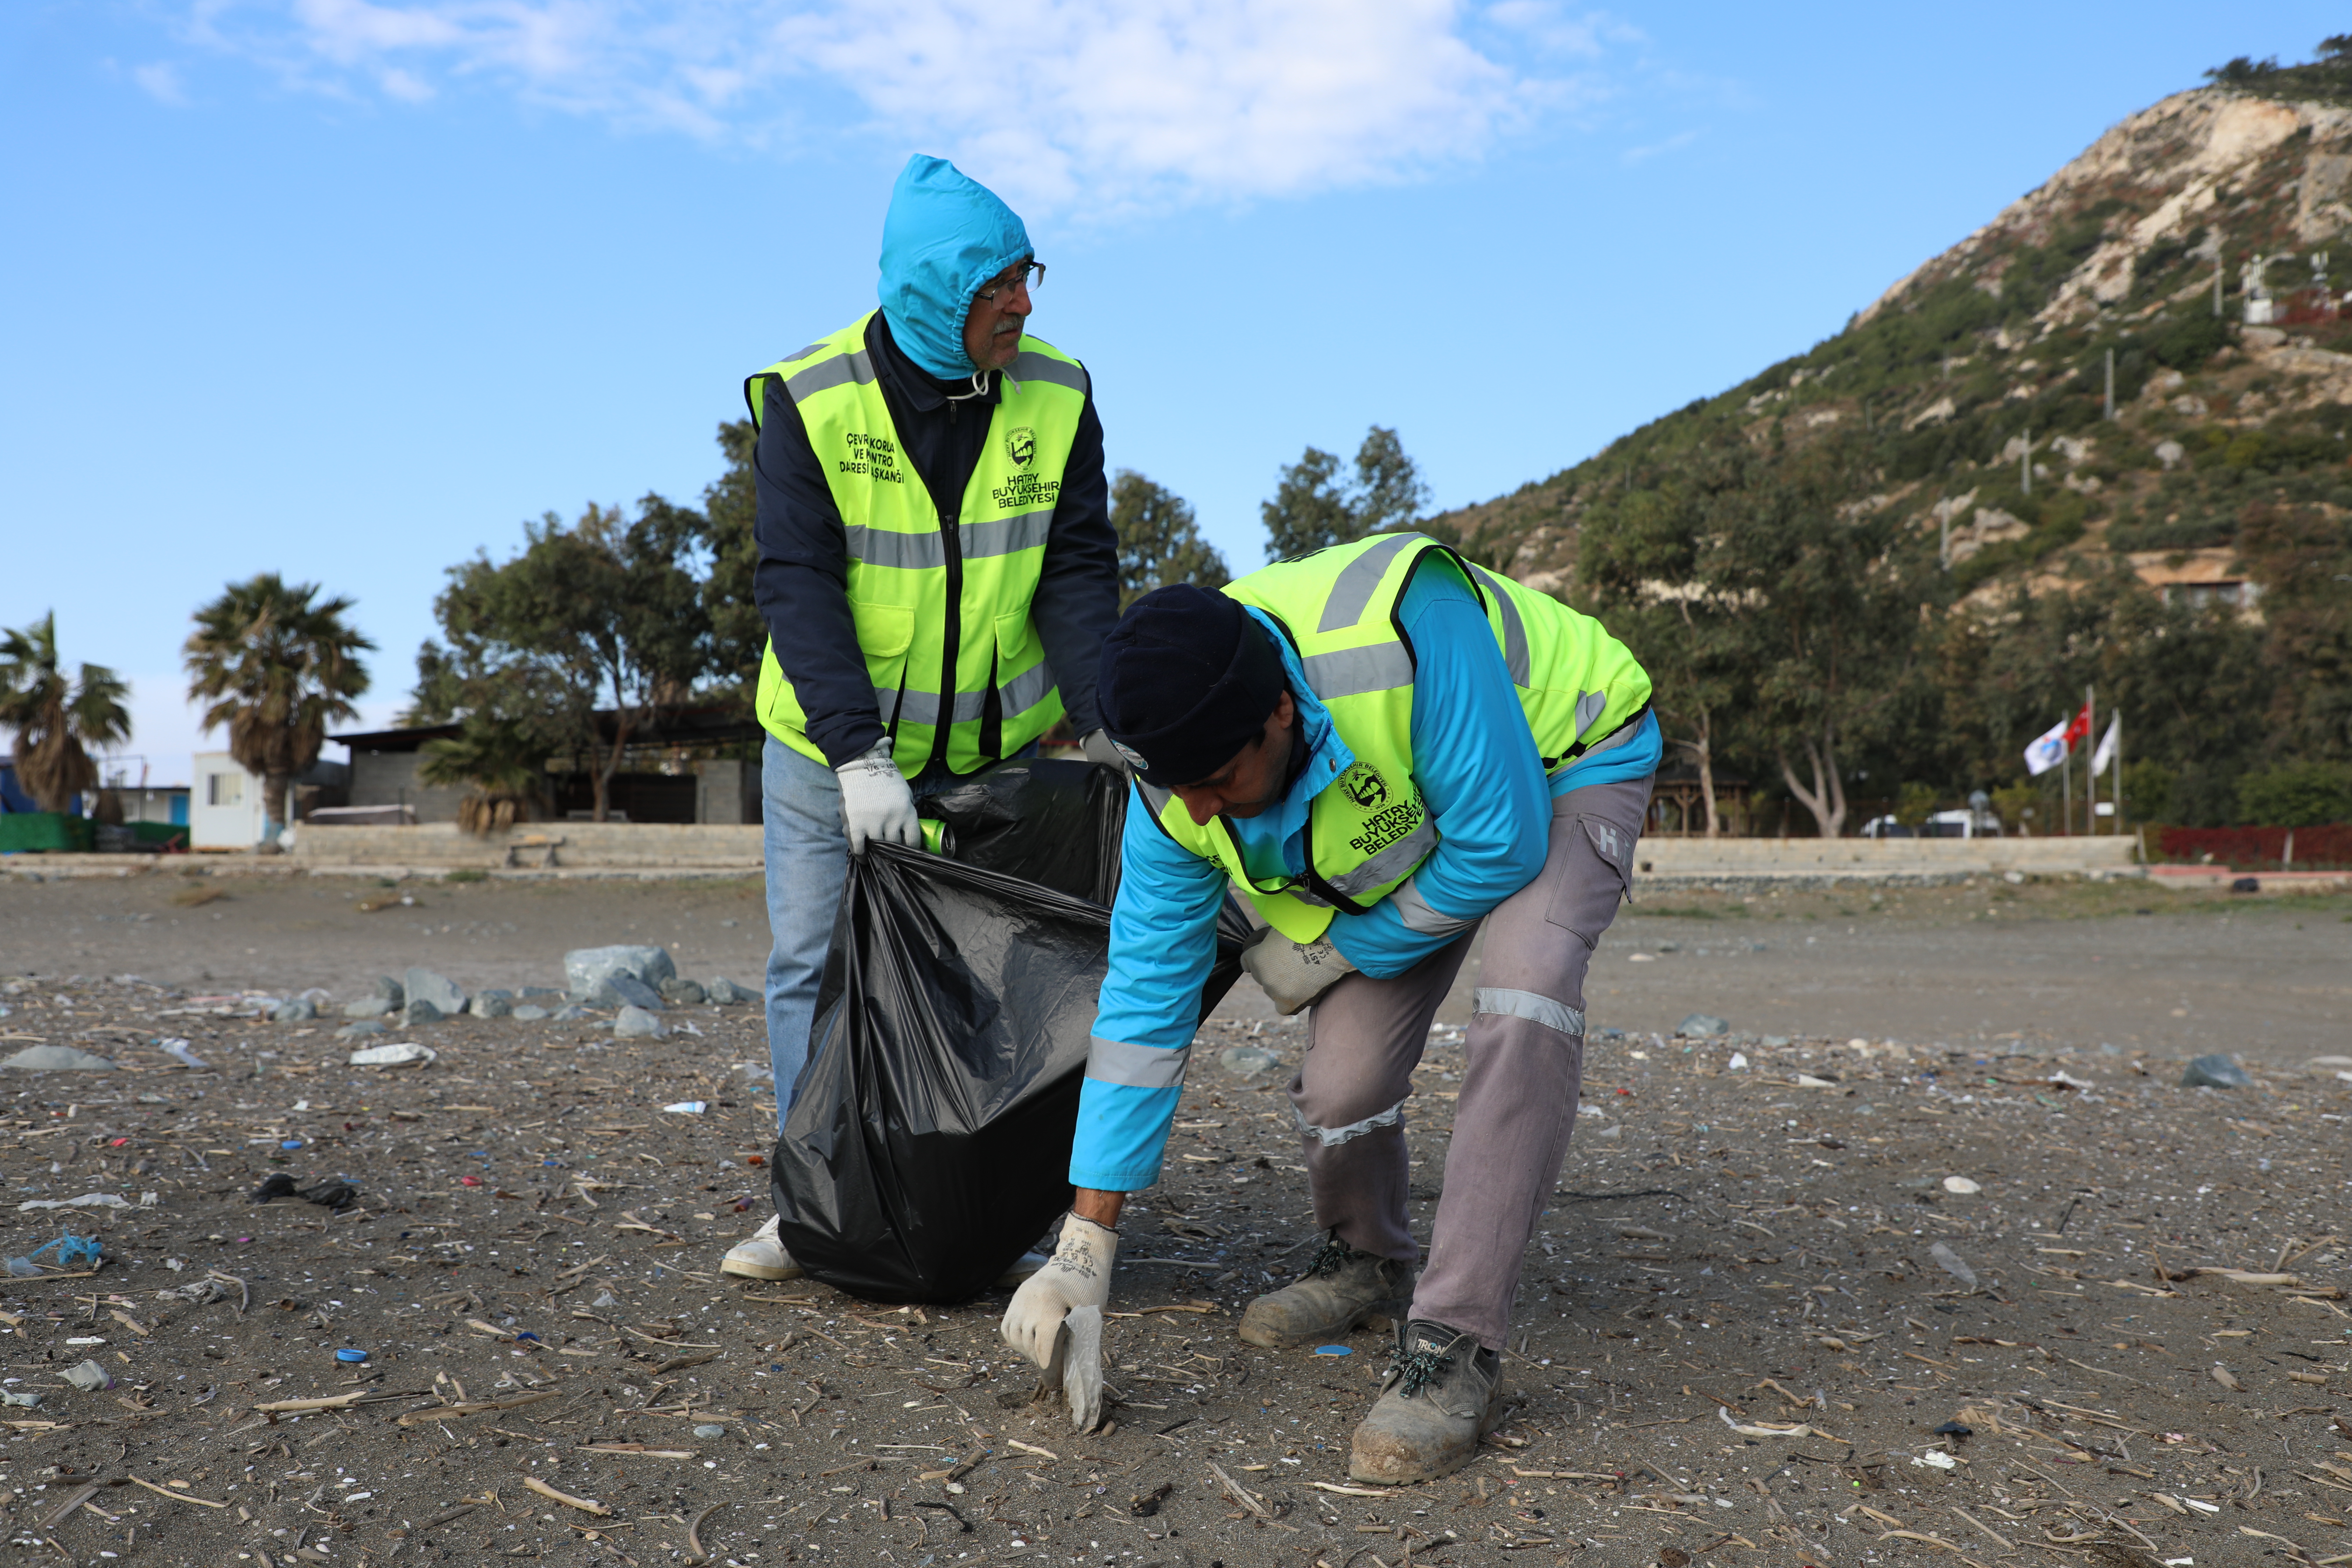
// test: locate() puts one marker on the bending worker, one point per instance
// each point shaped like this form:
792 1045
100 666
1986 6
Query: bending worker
1385 746
936 569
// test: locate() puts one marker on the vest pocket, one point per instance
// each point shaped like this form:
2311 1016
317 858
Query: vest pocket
1597 876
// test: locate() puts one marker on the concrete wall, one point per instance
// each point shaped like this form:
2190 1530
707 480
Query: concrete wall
727 790
389 778
1883 856
653 847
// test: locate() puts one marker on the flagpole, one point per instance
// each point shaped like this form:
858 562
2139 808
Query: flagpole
2066 785
2116 781
2090 770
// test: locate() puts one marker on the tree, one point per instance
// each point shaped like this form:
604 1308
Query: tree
1644 569
1159 541
56 718
1312 509
1825 607
721 532
501 766
277 667
602 609
2297 794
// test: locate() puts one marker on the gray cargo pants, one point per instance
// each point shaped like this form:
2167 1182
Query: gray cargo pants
1525 1056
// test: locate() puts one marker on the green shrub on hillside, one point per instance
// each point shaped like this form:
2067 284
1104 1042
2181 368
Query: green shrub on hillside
2296 794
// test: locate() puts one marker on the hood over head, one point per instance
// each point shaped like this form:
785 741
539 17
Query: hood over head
945 235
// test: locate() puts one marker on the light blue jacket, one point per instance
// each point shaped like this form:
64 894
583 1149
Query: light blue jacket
1478 767
945 235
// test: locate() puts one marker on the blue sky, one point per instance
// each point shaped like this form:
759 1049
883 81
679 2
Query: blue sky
349 291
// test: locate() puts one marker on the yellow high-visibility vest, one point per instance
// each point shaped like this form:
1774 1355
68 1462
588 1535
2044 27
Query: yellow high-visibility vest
1369 829
941 604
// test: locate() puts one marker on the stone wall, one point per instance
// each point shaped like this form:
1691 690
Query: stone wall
638 847
1821 858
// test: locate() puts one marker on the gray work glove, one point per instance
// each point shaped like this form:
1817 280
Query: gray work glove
1294 974
1096 745
875 803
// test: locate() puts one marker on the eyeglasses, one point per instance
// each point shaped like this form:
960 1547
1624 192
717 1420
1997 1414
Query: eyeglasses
1032 273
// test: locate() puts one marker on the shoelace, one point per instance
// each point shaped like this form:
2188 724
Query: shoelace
1333 1258
1420 1369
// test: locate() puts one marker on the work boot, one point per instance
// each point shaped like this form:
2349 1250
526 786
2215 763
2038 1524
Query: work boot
1343 1290
1444 1391
760 1255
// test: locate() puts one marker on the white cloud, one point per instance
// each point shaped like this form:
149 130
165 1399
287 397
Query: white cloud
161 81
1070 103
1674 143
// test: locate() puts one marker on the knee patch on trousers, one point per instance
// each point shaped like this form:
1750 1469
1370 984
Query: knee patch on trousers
1528 1004
1329 1136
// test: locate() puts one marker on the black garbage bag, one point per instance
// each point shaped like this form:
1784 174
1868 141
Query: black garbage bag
1044 820
928 1142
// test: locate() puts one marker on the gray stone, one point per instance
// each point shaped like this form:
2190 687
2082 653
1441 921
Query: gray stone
724 993
56 1059
420 1012
685 993
389 989
2216 1072
586 969
446 995
370 1007
569 1013
629 991
492 1004
1701 1026
361 1031
528 1012
1248 1061
537 994
301 1010
637 1024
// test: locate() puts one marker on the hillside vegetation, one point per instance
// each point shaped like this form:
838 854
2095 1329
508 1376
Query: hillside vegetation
1894 559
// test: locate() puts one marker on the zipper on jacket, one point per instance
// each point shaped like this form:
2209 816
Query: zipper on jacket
951 544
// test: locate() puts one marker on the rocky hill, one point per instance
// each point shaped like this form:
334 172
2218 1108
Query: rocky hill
2139 366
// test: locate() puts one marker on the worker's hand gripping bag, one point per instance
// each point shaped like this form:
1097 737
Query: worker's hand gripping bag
928 1142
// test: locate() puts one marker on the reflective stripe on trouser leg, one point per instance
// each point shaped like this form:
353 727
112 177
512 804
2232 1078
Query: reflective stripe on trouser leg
1364 1038
1525 1062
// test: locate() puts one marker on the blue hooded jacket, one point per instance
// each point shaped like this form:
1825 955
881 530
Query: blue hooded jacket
946 234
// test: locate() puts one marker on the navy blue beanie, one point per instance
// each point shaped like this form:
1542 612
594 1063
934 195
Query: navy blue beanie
1188 680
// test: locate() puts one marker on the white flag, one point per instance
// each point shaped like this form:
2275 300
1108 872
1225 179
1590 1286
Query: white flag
2106 751
2049 749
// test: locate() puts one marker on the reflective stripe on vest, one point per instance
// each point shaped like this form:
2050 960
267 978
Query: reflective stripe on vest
912 576
1370 828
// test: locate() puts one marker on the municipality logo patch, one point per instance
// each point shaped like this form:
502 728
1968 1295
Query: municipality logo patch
1021 445
1364 786
1134 758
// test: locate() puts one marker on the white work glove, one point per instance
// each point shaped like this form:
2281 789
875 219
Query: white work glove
1076 1367
1044 1321
1294 974
1096 745
875 803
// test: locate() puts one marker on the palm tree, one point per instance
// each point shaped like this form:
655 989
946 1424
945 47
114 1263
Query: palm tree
56 719
277 669
504 772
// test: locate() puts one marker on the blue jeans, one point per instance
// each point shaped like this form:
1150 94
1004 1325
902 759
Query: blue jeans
807 860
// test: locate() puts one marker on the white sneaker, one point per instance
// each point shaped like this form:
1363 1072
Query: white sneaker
1026 1265
760 1255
